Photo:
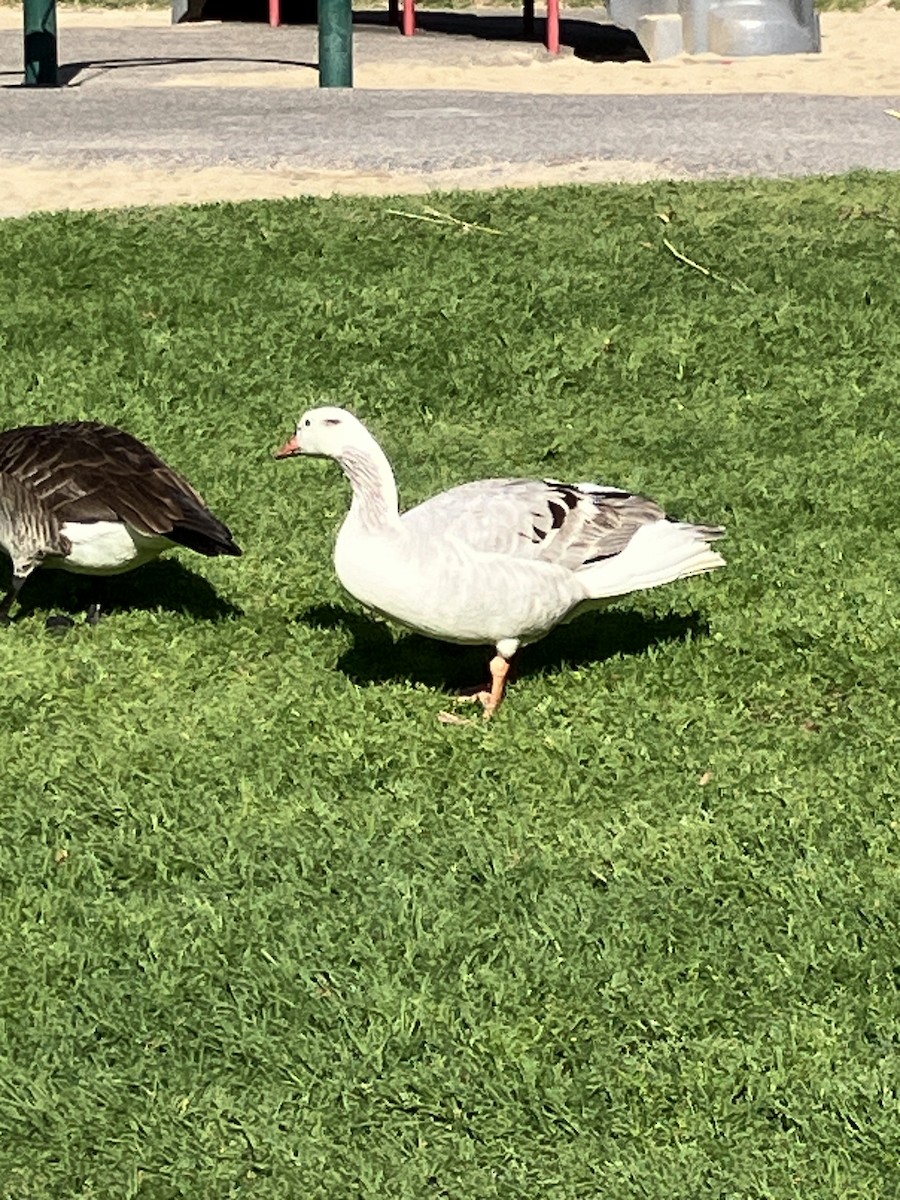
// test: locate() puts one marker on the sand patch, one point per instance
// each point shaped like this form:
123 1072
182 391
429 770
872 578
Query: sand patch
94 18
33 187
860 57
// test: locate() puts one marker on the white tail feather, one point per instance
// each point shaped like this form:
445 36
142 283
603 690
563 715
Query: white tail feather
660 552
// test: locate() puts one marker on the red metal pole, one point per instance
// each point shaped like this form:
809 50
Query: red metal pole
409 17
553 26
274 13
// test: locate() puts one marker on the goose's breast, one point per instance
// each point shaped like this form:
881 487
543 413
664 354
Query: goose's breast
451 592
376 571
106 547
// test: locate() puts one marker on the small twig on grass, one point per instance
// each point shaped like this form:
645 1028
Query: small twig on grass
435 217
737 284
396 212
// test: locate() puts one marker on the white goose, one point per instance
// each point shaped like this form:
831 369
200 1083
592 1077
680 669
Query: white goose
499 561
90 498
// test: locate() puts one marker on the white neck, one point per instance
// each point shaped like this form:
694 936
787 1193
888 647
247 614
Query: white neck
375 507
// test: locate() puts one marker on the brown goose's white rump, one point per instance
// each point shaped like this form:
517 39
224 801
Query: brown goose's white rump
500 560
90 498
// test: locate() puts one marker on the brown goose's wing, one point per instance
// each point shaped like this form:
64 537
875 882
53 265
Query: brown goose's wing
28 528
86 471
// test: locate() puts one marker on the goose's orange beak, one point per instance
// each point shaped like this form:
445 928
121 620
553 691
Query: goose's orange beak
290 448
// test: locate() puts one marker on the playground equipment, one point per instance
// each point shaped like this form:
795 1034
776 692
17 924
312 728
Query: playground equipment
41 60
663 27
335 40
407 20
401 13
335 19
732 28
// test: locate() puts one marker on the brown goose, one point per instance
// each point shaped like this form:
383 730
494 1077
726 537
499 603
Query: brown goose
90 498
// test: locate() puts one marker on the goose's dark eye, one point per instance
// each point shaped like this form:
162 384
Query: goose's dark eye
307 422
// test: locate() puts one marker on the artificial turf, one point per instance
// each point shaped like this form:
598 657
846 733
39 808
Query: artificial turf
267 928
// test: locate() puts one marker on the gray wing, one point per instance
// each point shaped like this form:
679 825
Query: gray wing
569 524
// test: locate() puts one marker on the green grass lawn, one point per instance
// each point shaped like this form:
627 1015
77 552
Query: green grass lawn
267 928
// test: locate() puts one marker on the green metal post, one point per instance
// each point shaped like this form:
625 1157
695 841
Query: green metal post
335 43
40 43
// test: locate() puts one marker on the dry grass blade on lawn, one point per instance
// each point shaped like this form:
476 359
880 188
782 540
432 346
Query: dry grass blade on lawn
737 285
436 217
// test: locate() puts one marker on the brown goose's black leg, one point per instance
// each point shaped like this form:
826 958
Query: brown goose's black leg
10 598
59 622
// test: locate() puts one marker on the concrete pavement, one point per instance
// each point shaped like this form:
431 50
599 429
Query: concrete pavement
125 102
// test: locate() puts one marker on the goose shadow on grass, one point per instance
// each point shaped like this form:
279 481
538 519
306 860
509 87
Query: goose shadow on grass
376 657
166 586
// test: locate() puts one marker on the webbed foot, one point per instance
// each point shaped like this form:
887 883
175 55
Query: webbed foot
58 623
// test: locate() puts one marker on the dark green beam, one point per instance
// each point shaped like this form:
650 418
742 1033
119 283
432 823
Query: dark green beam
335 43
40 43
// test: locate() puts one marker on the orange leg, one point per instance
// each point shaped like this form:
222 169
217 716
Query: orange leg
489 700
499 672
